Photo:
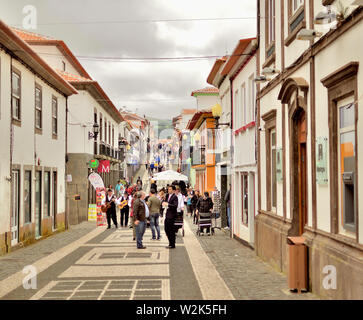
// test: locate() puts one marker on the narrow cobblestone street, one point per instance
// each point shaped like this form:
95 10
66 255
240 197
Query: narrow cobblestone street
92 263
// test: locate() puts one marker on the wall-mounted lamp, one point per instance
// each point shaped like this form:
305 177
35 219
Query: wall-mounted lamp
325 17
217 112
269 71
261 79
94 134
307 34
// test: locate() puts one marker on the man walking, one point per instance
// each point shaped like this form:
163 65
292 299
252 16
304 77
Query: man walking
171 213
124 213
140 213
227 199
154 207
110 202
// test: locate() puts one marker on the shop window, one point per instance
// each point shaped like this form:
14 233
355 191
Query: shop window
27 196
346 164
244 189
47 210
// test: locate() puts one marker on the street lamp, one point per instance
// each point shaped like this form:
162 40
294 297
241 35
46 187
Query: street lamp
217 112
96 130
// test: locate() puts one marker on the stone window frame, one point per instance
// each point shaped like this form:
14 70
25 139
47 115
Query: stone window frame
27 168
340 84
292 17
55 133
270 123
270 47
38 130
16 121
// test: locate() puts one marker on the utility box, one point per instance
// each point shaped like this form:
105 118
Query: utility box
297 264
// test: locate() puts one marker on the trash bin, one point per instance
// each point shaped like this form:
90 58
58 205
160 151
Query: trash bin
297 263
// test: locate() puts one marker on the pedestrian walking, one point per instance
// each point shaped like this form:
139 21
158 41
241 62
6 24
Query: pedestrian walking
118 188
140 213
205 207
189 202
227 199
180 208
151 167
195 200
216 198
139 182
154 207
124 212
110 202
131 205
154 186
171 204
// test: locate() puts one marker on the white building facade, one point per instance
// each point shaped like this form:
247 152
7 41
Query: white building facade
309 178
33 144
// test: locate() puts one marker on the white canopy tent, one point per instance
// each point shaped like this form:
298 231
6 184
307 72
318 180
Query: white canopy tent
169 175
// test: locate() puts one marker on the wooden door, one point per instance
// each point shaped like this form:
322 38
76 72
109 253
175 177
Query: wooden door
302 172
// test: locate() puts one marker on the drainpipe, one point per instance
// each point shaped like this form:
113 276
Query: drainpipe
11 151
65 171
231 166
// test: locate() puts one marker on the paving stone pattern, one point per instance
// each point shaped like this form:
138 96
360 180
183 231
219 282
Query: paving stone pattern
17 260
246 275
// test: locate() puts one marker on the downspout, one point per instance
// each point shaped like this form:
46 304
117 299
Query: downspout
232 163
65 171
11 154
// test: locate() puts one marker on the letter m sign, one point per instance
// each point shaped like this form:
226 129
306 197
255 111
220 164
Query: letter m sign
104 166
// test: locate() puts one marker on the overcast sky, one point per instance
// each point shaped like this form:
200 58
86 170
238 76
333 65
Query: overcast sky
158 89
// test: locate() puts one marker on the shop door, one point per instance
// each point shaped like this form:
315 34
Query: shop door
302 172
38 204
15 207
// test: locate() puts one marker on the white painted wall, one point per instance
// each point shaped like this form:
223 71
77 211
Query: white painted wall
5 185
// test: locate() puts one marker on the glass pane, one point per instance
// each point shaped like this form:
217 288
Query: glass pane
273 138
38 194
38 98
54 108
54 125
38 122
347 151
346 115
16 84
27 196
47 193
273 177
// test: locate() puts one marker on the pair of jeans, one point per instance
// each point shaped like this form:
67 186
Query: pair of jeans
140 230
124 214
154 224
229 216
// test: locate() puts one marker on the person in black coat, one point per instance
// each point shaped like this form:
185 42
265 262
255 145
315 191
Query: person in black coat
171 213
111 211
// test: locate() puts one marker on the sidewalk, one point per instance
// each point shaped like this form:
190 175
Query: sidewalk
17 260
246 275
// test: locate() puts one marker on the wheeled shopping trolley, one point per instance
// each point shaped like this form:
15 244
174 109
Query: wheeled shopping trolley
179 223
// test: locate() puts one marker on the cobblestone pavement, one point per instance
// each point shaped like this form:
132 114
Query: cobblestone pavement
246 275
15 261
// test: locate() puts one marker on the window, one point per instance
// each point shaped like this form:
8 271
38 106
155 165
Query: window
100 126
27 196
271 21
346 164
54 116
16 95
105 131
38 107
236 107
47 193
252 97
273 168
270 142
113 136
109 133
63 66
244 188
243 105
296 5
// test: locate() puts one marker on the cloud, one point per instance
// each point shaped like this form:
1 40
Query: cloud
161 89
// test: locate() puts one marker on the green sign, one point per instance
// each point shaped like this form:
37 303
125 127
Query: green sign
321 160
93 163
279 164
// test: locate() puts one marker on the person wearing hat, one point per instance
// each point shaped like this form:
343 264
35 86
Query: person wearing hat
110 201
